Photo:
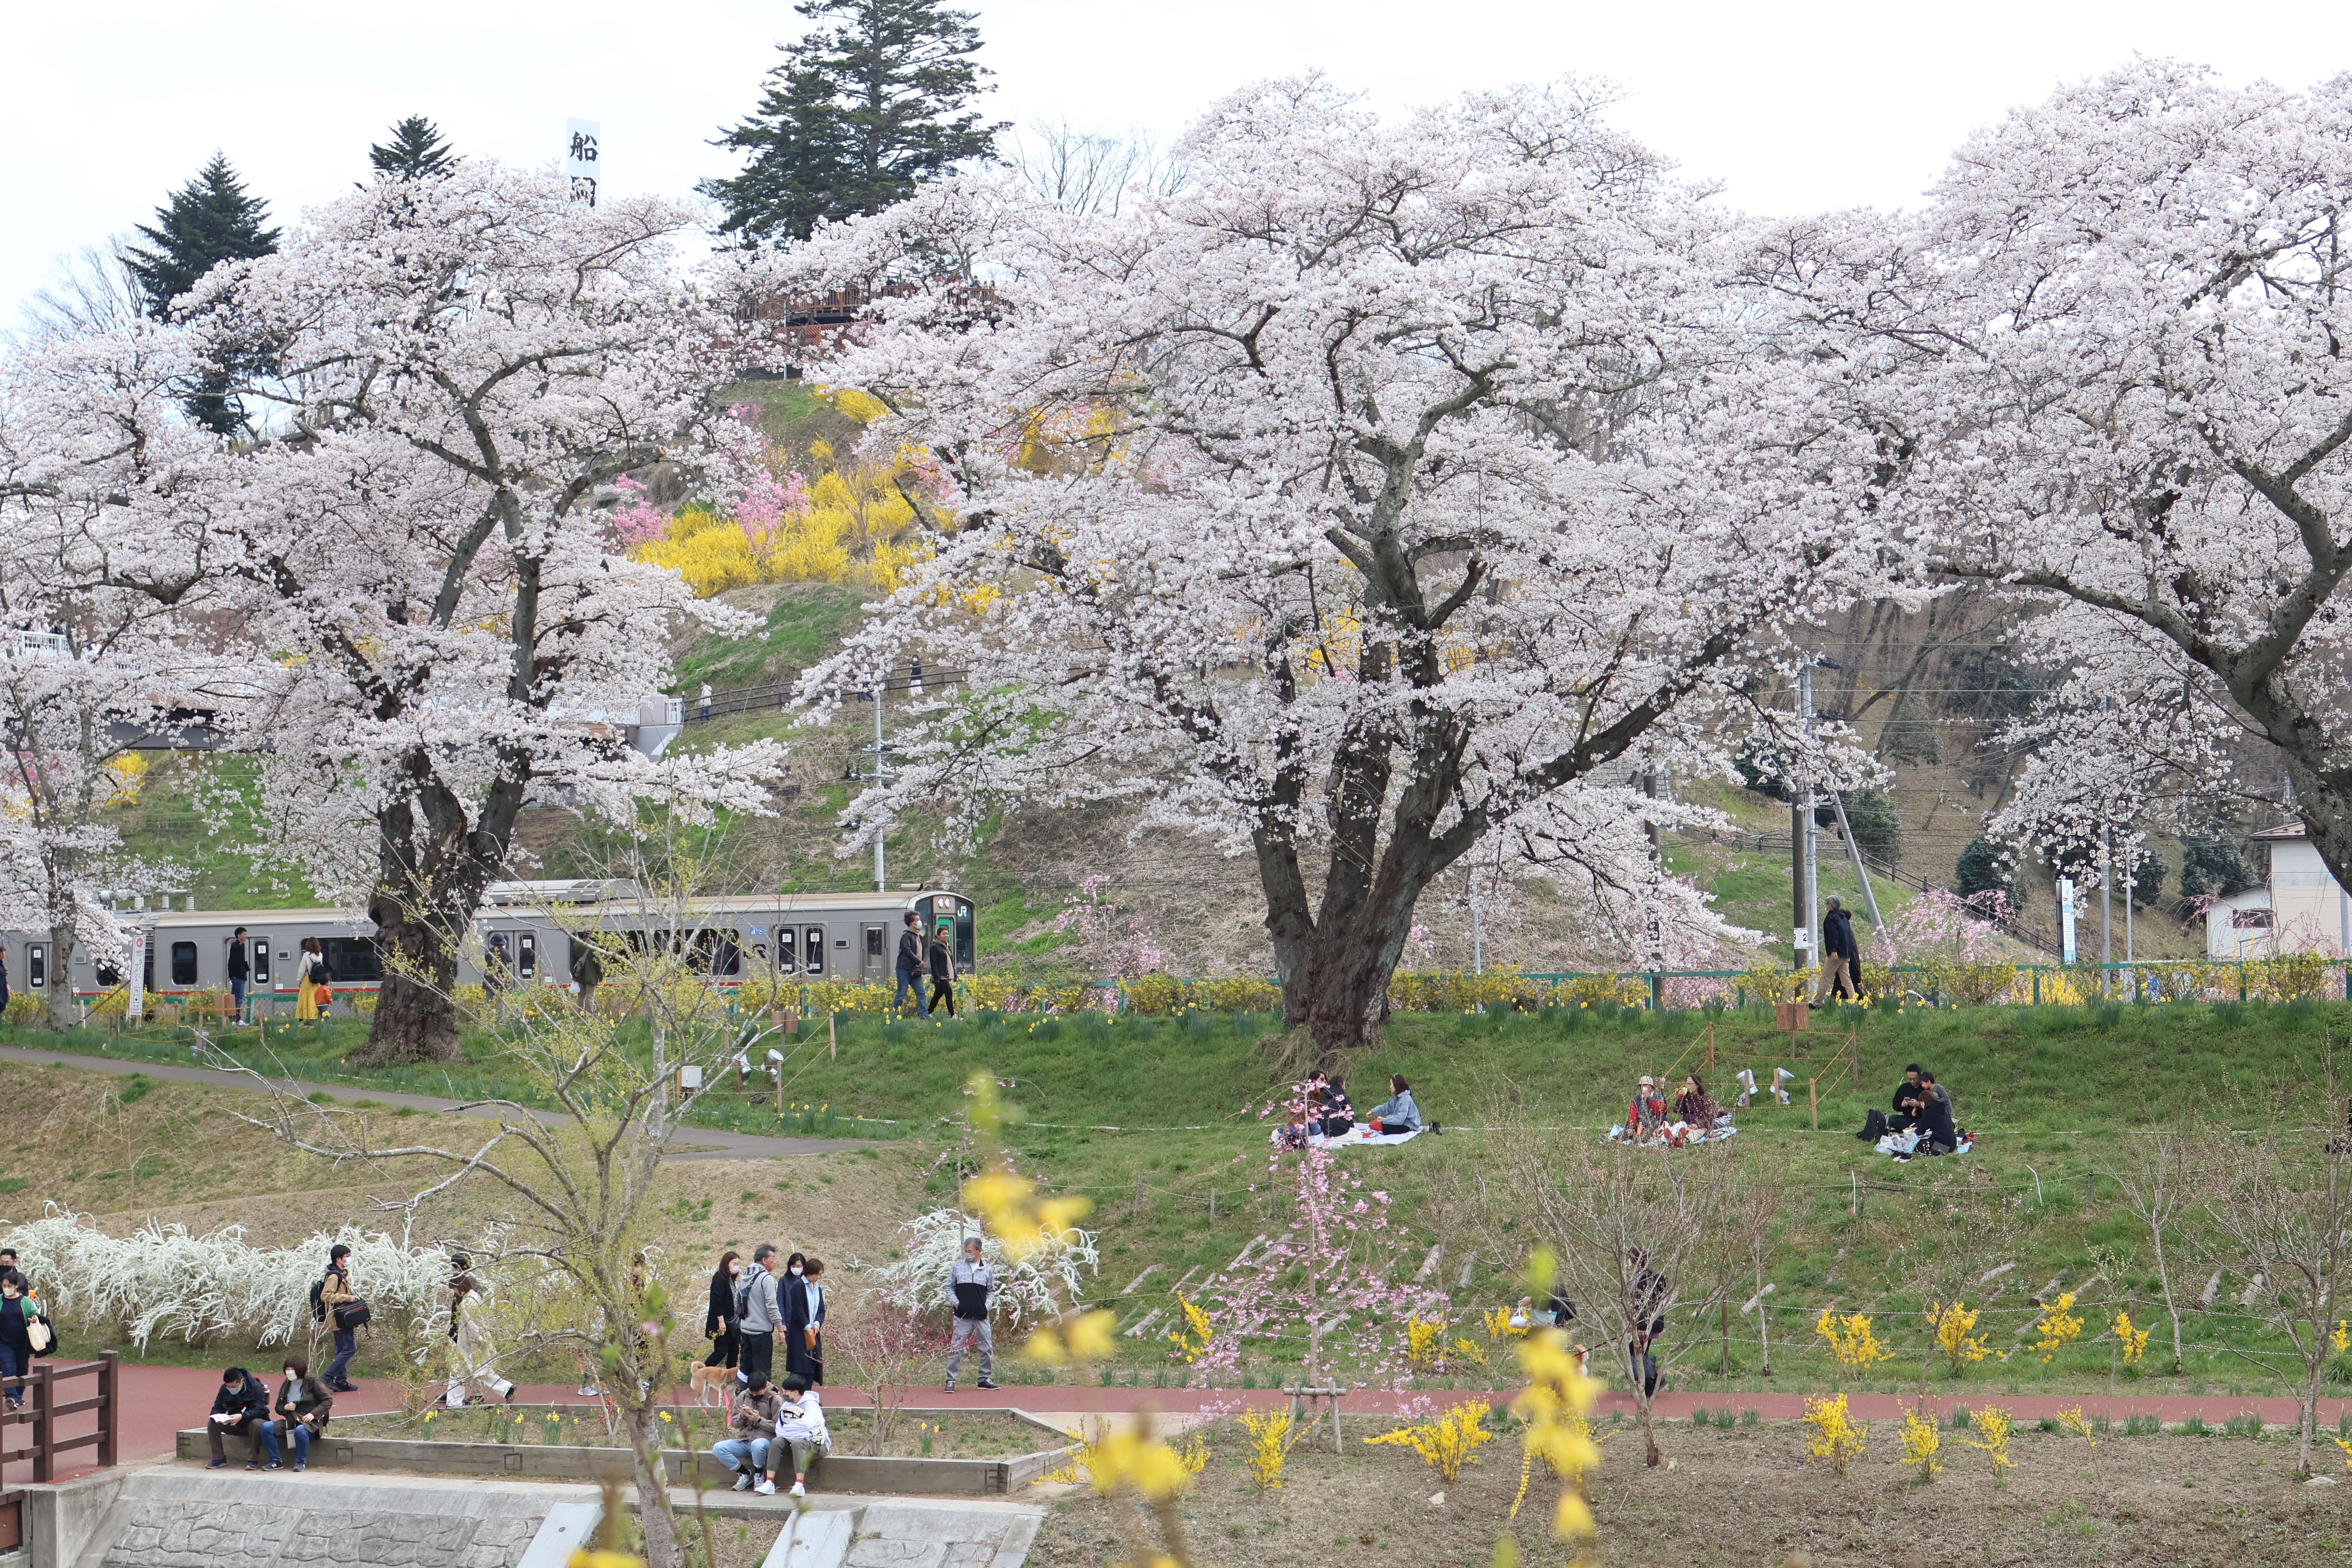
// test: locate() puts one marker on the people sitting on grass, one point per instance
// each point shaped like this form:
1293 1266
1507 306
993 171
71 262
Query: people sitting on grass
1937 1134
241 1408
752 1440
1696 1106
304 1407
1339 1117
1646 1118
1907 1100
1397 1113
1291 1133
800 1426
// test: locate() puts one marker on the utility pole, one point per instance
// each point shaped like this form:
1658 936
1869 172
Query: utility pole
2106 903
881 882
1801 832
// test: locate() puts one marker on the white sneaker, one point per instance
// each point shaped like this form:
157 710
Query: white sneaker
799 1491
766 1487
589 1389
743 1481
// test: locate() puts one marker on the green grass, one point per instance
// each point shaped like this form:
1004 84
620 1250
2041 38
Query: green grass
806 625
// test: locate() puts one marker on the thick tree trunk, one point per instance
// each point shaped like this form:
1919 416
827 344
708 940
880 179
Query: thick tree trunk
429 882
58 980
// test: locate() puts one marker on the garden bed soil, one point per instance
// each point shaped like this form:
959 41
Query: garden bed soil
1749 1497
913 1433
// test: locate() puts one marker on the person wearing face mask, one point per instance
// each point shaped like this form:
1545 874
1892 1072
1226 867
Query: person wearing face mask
721 1323
805 1321
303 1407
241 1407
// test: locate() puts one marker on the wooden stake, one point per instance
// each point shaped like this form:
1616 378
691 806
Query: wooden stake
832 1037
1727 1339
1813 1096
1213 1205
1139 1195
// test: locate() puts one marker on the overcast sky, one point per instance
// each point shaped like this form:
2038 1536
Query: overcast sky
1793 107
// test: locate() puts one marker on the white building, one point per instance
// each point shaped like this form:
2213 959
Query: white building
2302 909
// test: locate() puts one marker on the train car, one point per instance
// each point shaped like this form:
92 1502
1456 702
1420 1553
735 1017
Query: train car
528 930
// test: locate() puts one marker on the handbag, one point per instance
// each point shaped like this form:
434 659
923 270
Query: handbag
42 1337
351 1315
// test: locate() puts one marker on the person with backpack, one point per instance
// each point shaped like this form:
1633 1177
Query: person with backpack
757 1316
304 1407
314 996
973 1283
336 1304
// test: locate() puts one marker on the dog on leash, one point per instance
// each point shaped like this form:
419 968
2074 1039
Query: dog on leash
714 1386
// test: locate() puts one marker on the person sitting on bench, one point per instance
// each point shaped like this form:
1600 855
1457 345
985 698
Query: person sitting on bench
241 1405
1397 1113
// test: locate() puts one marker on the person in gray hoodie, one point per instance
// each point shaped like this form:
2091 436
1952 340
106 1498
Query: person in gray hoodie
760 1319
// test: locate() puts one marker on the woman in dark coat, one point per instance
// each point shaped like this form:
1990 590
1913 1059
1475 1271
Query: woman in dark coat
721 1323
804 1323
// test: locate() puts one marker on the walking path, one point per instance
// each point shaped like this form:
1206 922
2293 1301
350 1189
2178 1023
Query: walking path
692 1142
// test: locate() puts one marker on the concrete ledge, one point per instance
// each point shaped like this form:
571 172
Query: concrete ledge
567 1462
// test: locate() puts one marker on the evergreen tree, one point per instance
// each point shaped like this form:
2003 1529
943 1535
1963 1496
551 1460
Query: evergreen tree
2214 864
415 152
209 220
1983 868
856 116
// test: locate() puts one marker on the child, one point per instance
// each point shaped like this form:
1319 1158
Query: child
800 1424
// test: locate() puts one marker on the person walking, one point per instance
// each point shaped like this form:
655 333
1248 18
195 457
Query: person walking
749 1445
911 967
973 1283
335 1295
719 1322
1841 958
804 1324
757 1317
313 995
472 1357
943 974
16 1336
240 973
705 711
241 1405
304 1407
3 980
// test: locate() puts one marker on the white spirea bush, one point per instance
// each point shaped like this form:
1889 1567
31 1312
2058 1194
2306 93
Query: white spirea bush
1032 1289
162 1280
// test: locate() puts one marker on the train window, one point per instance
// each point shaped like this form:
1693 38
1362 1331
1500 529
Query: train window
183 964
715 953
787 950
760 952
815 945
873 944
37 965
109 975
352 959
527 954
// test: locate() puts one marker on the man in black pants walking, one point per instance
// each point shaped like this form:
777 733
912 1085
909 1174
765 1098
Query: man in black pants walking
911 967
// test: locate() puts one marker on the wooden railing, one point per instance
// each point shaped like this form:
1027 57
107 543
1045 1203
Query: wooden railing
43 1409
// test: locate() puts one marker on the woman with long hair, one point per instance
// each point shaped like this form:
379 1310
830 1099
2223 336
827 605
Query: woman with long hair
721 1323
313 995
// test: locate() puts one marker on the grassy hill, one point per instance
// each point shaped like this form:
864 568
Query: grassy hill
1152 1120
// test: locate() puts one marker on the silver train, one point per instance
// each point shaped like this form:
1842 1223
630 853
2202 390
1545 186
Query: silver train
525 928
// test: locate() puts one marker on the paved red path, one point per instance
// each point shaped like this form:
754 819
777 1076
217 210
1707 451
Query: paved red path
160 1401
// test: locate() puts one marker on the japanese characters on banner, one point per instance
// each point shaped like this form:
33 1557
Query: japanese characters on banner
583 162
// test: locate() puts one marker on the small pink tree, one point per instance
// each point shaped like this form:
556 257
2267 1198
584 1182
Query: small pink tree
1325 1275
639 522
1119 948
1942 925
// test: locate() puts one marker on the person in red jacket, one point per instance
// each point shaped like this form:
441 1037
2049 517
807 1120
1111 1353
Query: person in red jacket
1646 1118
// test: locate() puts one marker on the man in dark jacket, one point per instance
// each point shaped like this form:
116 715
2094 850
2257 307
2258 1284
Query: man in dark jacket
240 971
911 966
1841 958
944 975
241 1405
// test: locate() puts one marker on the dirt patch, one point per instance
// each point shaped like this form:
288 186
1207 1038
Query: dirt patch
1750 1496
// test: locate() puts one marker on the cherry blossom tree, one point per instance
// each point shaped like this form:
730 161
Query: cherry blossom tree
1383 491
415 557
2108 373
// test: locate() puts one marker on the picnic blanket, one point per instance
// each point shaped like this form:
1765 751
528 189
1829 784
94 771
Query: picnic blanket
1682 1133
1904 1145
1356 1137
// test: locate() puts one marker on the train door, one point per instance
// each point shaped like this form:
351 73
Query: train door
527 955
874 960
37 966
813 952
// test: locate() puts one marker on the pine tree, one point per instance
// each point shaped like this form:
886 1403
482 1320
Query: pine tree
856 116
416 151
209 220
